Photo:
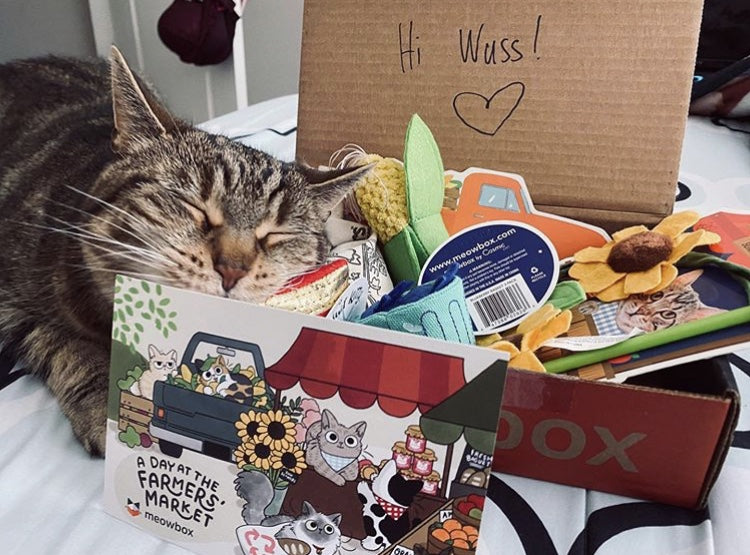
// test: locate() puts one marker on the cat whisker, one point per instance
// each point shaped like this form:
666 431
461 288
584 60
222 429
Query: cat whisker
140 237
82 232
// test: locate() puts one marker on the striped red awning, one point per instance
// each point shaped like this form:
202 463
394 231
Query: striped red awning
364 371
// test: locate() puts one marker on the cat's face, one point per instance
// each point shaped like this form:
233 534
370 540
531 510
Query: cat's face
215 373
677 304
199 211
161 363
320 531
339 444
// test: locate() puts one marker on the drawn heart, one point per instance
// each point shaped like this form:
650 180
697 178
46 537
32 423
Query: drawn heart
482 114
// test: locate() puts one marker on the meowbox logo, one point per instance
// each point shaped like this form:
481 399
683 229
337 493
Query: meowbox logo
134 509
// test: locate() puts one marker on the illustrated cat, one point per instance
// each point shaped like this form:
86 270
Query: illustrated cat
321 532
333 449
160 365
216 379
677 304
98 178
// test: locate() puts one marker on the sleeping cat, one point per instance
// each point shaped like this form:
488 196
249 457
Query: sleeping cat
160 365
333 449
97 178
677 304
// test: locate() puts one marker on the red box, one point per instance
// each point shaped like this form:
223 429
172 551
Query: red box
662 436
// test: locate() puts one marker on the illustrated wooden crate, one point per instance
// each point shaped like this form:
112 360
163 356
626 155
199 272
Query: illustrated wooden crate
136 412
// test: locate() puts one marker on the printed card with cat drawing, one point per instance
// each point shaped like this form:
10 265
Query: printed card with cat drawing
694 295
241 429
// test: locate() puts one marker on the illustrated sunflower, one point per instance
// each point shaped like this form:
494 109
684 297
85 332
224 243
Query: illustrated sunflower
242 456
276 430
638 260
247 426
255 454
293 460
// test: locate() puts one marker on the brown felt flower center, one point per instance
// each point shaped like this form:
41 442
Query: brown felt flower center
640 252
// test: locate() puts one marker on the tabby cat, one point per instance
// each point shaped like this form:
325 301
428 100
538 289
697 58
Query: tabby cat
677 304
96 177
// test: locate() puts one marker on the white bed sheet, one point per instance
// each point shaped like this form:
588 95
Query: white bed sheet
50 490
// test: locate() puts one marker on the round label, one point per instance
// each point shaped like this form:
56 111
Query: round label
508 269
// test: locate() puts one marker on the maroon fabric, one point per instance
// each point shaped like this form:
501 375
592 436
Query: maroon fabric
200 32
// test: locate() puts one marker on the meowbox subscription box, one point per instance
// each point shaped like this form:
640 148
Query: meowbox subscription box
236 428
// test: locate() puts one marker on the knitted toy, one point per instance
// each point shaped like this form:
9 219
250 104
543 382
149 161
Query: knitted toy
402 203
314 292
638 260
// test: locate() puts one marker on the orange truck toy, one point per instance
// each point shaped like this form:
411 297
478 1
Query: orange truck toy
478 196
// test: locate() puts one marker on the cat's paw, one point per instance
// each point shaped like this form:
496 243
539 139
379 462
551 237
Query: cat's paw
338 480
89 421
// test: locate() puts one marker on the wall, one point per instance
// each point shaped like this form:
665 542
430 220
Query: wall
273 38
37 27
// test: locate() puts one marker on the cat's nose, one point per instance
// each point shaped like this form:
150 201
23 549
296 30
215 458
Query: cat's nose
230 275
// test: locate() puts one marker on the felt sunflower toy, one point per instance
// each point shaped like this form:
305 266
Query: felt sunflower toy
537 328
638 260
402 202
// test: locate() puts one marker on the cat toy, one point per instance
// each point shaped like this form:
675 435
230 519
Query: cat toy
402 202
639 260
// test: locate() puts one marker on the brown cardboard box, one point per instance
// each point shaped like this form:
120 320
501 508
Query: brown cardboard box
663 436
586 100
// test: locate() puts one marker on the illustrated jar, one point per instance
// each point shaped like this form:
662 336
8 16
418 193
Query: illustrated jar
422 464
431 483
401 455
415 441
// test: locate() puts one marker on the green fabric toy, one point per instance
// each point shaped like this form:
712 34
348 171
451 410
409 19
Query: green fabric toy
403 204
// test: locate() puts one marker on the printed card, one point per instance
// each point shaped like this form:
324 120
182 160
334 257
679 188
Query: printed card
235 429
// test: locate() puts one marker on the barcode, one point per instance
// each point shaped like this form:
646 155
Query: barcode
502 303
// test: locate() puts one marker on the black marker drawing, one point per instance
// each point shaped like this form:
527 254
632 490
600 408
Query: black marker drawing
485 120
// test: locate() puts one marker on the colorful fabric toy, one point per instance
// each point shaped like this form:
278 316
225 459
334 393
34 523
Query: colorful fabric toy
537 328
402 203
638 260
313 293
435 309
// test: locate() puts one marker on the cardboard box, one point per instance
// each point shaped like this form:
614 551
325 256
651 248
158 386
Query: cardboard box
586 100
662 436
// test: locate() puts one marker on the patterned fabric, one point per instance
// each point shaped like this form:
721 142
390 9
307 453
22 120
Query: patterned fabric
604 318
391 509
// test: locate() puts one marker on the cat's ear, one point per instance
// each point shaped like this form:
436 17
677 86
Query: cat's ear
172 355
329 187
326 417
220 361
336 519
359 428
688 278
307 509
138 115
152 351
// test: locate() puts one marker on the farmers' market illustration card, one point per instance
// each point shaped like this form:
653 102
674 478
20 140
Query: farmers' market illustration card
234 428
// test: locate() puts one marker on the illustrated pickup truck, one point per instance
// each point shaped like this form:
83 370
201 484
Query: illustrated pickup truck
183 418
486 196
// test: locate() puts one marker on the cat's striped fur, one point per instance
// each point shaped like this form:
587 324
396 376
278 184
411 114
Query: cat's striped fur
84 196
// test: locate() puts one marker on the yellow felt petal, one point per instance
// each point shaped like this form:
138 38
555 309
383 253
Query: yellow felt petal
594 254
685 243
594 277
673 225
638 282
487 340
628 232
614 292
558 325
668 275
708 238
506 347
538 318
527 360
